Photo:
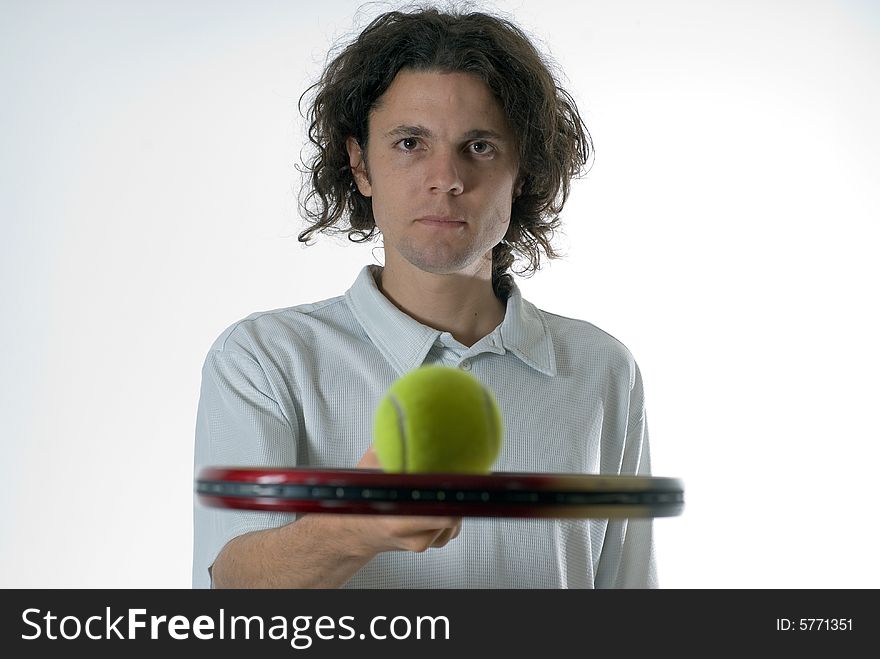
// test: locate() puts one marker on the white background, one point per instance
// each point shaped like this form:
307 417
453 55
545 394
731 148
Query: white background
727 234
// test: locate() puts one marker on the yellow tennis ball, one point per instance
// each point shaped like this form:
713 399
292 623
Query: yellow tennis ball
437 419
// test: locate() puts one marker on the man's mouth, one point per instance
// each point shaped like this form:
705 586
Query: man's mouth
442 221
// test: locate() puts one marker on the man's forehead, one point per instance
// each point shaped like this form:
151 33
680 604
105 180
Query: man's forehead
423 103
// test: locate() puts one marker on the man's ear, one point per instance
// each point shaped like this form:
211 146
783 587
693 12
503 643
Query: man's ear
358 167
518 186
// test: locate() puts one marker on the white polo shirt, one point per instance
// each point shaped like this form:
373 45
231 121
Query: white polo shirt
298 387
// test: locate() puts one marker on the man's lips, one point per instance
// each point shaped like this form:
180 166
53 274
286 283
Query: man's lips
441 221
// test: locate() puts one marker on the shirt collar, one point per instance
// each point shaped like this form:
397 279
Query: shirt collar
405 342
524 332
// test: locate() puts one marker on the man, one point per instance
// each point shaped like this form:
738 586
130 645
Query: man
447 134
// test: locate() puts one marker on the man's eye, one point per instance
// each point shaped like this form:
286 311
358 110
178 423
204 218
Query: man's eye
409 143
481 148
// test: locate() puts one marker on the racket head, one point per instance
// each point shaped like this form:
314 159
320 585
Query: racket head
499 494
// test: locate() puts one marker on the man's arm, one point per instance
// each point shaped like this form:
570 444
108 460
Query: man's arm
239 422
314 553
299 555
324 551
627 559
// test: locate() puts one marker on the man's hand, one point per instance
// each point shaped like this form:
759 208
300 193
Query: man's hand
367 535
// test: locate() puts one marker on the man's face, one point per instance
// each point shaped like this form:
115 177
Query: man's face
441 169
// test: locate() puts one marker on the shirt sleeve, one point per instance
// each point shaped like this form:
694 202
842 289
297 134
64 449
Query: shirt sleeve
239 423
627 559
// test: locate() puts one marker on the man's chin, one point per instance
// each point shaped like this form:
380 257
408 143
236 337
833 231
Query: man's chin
442 260
448 265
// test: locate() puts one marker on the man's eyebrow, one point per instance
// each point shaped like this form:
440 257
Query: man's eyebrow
479 133
409 131
422 131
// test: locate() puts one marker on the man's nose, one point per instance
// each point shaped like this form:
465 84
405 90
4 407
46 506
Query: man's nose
444 173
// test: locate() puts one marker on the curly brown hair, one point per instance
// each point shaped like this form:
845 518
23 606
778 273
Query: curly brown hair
553 142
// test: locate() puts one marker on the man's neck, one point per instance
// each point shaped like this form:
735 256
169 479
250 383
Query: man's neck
463 305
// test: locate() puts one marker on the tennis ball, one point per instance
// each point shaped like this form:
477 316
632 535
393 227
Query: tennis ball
437 419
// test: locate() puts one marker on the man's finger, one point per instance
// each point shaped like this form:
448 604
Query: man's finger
369 460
